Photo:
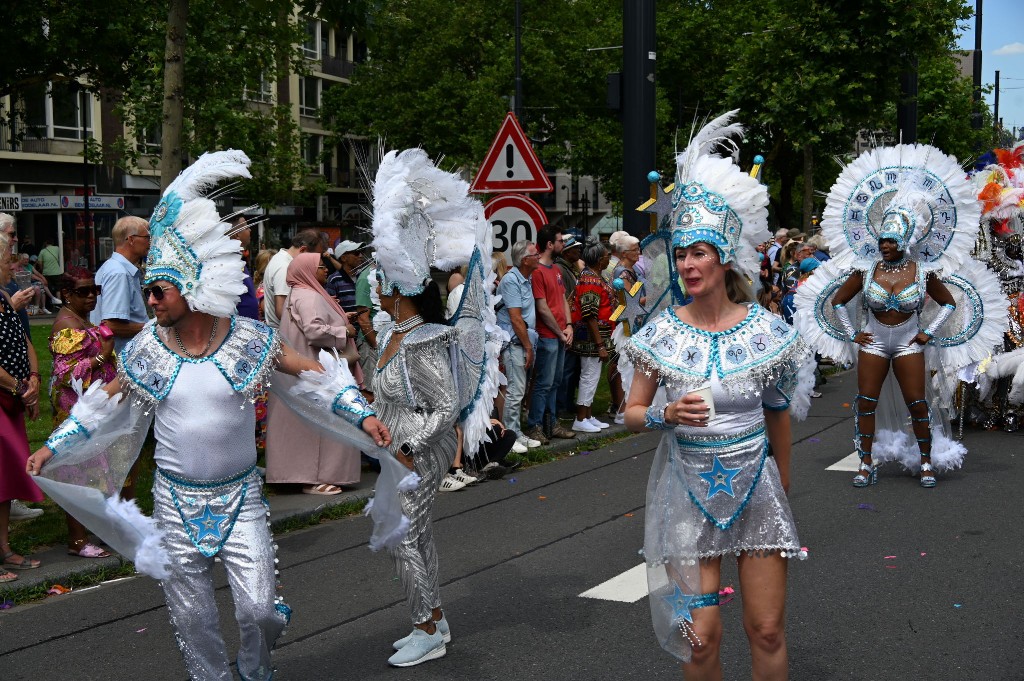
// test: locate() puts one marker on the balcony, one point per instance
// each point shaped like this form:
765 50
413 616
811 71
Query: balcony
336 66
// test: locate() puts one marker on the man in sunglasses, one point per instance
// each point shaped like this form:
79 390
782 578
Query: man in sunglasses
193 373
120 306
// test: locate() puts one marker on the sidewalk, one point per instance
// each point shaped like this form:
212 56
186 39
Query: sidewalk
57 566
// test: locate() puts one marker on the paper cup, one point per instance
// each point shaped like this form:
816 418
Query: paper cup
704 393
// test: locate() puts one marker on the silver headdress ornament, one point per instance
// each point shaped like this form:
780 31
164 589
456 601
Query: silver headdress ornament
191 247
717 203
423 217
913 194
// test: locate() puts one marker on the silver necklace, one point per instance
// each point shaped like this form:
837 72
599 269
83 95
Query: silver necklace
898 266
408 324
209 343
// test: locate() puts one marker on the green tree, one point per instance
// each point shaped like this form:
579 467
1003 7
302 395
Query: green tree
813 73
441 75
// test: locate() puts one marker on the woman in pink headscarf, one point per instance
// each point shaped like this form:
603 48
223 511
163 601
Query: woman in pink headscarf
296 452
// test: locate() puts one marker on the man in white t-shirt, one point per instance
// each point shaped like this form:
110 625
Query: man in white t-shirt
275 284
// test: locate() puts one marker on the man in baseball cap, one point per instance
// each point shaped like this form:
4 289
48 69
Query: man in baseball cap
341 283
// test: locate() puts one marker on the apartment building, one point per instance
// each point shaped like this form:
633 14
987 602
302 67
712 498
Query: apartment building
44 178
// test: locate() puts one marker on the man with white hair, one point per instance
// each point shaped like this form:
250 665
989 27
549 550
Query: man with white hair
518 317
120 304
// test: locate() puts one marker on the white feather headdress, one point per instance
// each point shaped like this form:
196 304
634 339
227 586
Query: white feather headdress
191 247
717 203
914 184
423 217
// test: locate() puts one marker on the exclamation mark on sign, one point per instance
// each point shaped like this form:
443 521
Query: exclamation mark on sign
509 149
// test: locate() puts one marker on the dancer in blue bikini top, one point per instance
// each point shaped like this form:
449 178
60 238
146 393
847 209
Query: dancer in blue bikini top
901 291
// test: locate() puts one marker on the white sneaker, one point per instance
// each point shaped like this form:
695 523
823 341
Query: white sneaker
450 484
420 647
20 511
620 419
464 477
594 421
519 447
529 442
585 427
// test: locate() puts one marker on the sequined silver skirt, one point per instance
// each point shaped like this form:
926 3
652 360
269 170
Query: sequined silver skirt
713 495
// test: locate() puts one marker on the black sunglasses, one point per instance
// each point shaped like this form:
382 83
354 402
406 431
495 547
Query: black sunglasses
87 290
156 291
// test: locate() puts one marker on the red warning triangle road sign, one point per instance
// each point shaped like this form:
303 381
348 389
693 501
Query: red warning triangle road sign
510 164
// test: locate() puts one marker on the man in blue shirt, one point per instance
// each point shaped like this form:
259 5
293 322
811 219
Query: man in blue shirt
517 315
120 304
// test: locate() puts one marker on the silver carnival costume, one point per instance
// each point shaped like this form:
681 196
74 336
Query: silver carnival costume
207 493
424 218
714 490
919 198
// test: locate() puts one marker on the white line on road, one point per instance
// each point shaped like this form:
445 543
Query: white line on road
851 462
629 587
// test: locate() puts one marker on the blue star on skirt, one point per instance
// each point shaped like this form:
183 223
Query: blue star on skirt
719 478
680 603
208 524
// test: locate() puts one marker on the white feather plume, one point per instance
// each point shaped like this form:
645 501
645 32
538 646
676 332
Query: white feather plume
208 170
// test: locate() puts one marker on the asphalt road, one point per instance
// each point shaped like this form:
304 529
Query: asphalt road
901 582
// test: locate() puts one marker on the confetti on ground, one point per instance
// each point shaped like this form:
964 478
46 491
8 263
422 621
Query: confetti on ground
865 507
512 481
889 557
892 567
814 439
923 553
846 404
958 605
629 515
7 605
585 453
727 592
57 590
542 498
139 631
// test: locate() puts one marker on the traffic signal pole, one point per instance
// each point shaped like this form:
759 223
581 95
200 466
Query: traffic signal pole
638 57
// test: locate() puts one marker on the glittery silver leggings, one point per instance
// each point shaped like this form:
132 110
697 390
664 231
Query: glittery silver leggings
248 557
416 557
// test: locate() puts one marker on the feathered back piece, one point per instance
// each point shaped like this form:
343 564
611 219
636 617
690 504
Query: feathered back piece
717 203
191 247
910 192
423 217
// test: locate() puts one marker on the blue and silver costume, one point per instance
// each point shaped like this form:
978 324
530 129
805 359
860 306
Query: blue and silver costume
207 494
713 490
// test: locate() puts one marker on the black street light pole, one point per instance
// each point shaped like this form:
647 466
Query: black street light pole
976 117
638 57
517 106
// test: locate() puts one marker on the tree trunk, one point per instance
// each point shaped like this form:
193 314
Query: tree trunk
174 91
808 202
787 177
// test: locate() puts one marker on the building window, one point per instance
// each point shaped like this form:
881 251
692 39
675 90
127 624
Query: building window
57 113
309 95
312 152
148 141
311 45
263 93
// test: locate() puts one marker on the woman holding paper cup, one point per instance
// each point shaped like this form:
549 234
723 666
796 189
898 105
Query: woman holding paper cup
733 372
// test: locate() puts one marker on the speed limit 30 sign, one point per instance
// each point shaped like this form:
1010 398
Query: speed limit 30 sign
513 217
